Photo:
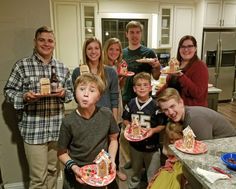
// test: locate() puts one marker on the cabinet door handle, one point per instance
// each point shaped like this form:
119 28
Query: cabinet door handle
223 22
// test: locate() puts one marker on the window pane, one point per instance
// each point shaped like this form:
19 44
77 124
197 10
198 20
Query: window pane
116 28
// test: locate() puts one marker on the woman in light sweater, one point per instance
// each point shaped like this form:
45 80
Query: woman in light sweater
92 56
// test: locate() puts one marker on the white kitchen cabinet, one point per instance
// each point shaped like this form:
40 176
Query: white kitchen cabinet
66 26
183 23
175 21
166 24
88 20
220 13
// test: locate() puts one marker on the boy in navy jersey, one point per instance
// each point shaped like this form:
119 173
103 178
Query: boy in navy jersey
146 110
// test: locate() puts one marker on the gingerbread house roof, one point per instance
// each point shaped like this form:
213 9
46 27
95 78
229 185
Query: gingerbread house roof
188 131
103 155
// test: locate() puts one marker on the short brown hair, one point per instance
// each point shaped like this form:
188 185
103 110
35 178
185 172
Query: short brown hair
43 29
134 24
167 94
90 78
142 75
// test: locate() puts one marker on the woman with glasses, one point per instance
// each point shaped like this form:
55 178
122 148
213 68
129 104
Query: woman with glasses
192 81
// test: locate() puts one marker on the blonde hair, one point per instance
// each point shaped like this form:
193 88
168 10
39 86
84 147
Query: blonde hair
171 127
100 71
142 75
90 78
134 24
107 45
168 94
174 127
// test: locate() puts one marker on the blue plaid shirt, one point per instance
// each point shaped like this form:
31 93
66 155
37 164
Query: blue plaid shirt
40 121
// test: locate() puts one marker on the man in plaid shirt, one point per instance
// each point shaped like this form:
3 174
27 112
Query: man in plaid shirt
40 115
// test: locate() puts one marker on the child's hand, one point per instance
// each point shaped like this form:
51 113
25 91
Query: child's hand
77 172
149 132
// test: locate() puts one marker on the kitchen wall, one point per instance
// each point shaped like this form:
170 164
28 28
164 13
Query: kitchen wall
18 21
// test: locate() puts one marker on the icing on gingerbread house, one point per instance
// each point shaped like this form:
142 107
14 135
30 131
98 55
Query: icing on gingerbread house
173 64
188 138
135 127
103 163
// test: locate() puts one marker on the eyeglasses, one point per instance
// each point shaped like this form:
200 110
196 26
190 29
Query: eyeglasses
188 47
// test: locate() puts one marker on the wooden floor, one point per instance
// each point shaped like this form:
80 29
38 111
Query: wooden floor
229 111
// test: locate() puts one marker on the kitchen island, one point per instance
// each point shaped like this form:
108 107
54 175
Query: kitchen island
216 148
213 96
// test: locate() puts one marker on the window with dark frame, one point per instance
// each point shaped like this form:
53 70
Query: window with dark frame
114 27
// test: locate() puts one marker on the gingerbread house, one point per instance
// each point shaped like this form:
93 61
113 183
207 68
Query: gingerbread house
84 69
45 87
188 138
135 127
123 68
173 64
103 162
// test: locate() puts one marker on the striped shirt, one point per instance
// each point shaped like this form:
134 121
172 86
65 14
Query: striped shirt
40 121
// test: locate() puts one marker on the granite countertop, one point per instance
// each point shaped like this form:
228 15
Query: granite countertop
211 158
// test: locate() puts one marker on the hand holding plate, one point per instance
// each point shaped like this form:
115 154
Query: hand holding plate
155 64
77 173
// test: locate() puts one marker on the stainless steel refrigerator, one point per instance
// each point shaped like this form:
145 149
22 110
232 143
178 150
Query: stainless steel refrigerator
219 53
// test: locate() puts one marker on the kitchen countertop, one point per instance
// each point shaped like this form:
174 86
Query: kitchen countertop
210 89
216 148
214 90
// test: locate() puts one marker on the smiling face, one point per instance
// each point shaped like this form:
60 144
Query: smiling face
142 88
87 95
93 52
113 52
187 50
173 109
44 44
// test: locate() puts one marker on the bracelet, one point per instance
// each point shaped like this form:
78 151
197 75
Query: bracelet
69 164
